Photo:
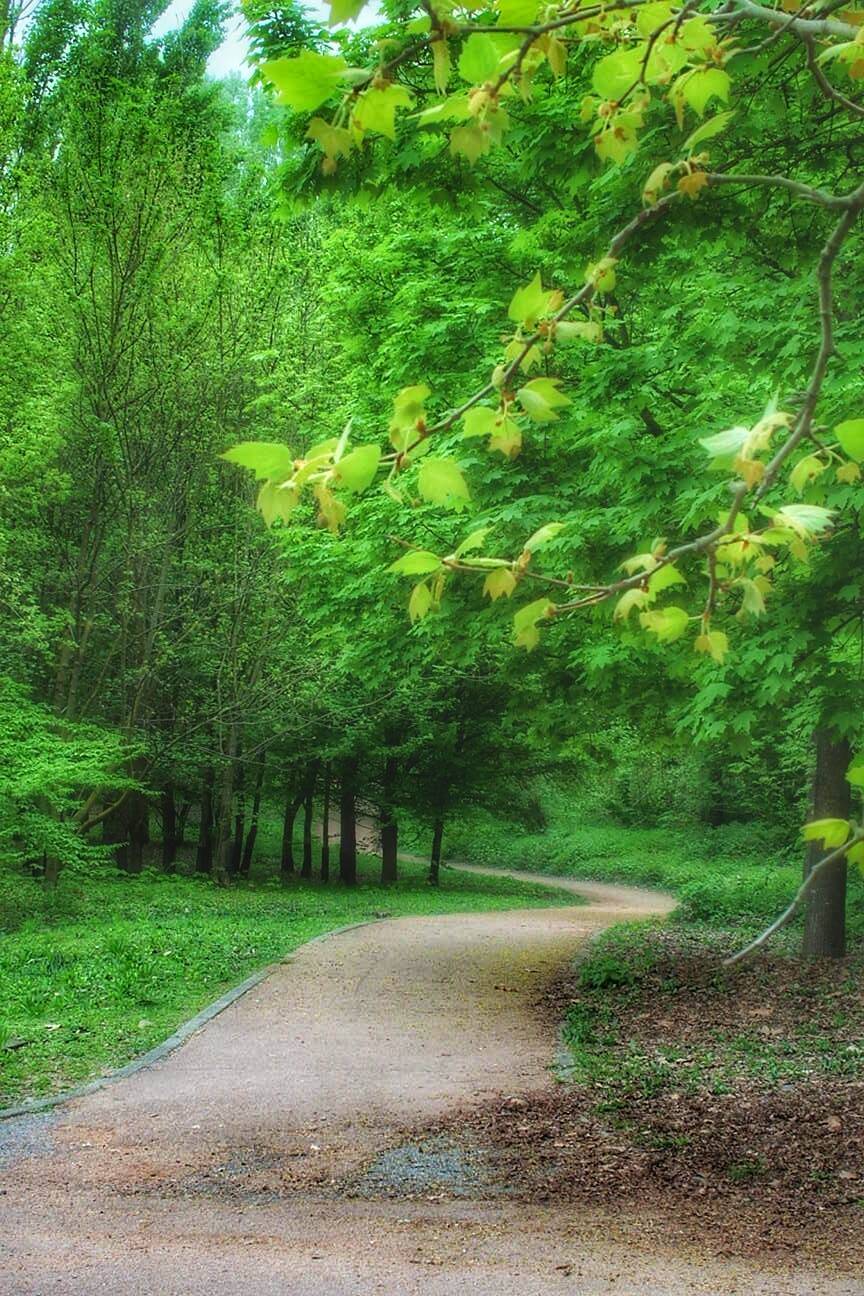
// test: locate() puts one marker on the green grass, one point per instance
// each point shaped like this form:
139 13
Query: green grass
102 969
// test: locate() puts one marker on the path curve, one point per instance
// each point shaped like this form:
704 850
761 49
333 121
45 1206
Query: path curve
222 1169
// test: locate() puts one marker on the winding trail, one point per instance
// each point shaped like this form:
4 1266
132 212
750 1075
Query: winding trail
240 1164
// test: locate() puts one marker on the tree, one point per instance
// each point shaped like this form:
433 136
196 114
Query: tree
662 66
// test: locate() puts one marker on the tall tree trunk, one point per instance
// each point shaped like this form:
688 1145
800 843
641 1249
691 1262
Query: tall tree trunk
308 807
825 918
389 827
126 828
325 826
249 844
239 819
292 805
435 857
348 822
169 828
182 819
204 853
223 858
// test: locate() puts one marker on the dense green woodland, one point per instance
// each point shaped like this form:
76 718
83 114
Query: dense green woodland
188 266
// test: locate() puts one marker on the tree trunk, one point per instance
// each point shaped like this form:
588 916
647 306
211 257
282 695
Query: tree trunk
435 858
224 857
204 853
347 823
127 829
325 826
182 819
389 827
308 807
169 828
239 821
292 805
825 918
249 844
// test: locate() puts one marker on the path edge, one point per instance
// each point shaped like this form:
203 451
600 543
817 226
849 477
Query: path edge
178 1037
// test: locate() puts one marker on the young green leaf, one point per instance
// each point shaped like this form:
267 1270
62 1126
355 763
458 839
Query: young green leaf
306 82
357 469
417 562
668 623
267 459
479 421
420 602
543 536
525 632
498 583
830 832
851 437
479 59
663 578
440 481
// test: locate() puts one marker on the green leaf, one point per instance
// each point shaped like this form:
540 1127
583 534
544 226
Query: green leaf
616 73
267 459
663 578
473 542
306 82
715 643
479 59
342 11
831 832
276 502
408 410
420 602
440 481
357 469
855 772
543 536
529 302
630 599
540 398
525 632
470 142
708 130
499 583
700 87
667 623
805 471
517 13
376 109
480 421
805 519
851 437
416 562
724 446
507 437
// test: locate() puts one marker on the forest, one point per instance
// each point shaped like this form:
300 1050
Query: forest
437 442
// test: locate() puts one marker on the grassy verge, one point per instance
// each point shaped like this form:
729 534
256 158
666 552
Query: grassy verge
102 969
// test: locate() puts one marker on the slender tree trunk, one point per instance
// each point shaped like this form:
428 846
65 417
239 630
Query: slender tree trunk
225 843
239 820
435 857
204 853
182 820
308 808
127 830
249 844
169 828
348 822
325 826
292 805
389 827
825 918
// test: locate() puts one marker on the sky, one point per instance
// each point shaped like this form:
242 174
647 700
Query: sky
231 55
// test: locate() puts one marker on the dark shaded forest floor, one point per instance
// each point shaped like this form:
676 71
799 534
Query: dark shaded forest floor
726 1103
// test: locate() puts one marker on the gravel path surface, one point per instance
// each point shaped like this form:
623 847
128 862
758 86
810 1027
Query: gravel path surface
277 1151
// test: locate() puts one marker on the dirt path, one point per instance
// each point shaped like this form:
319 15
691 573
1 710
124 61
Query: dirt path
264 1156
